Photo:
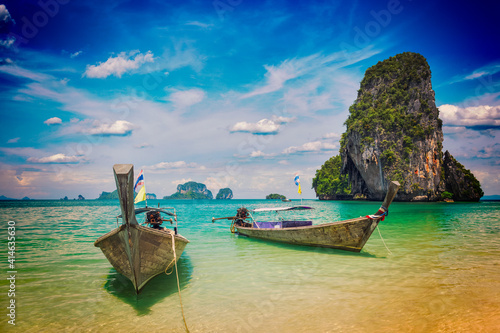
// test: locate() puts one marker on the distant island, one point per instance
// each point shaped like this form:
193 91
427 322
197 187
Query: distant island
108 195
191 190
275 196
3 197
114 195
224 194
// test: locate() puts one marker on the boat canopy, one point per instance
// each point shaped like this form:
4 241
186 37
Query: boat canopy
149 209
280 209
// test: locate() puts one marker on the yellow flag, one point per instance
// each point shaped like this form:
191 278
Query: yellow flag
141 196
300 189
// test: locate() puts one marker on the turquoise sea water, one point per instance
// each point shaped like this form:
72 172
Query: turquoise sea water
442 273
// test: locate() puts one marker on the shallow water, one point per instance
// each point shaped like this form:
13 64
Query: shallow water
442 273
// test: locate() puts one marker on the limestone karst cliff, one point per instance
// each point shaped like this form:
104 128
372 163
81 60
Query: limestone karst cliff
393 132
224 194
191 190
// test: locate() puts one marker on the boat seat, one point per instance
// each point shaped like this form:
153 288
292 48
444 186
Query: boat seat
281 224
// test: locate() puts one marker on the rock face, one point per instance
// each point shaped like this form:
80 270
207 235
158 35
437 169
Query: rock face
151 196
394 133
274 196
108 195
191 190
224 193
460 181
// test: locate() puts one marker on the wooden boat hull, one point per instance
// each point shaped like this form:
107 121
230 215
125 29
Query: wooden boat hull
140 253
350 235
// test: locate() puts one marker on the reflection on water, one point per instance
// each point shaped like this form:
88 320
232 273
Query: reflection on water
158 288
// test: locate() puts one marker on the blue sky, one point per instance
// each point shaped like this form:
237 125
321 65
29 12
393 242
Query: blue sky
231 93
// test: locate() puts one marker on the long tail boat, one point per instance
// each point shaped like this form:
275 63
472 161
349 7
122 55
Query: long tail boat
136 251
350 235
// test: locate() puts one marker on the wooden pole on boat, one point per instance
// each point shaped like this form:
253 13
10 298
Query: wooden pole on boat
391 193
223 218
124 178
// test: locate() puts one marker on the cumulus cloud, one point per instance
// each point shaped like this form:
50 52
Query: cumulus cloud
176 165
118 128
53 121
57 159
309 147
6 20
118 65
483 116
186 98
262 127
258 153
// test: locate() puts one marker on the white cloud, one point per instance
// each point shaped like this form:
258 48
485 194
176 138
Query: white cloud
258 153
263 126
200 24
489 69
474 116
119 65
7 43
215 184
53 121
119 128
175 165
277 76
282 120
57 159
331 135
13 140
309 147
24 73
5 21
76 54
181 181
186 98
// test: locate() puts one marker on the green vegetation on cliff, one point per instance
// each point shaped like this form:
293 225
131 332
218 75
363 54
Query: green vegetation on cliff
383 103
108 195
187 195
275 196
329 182
191 190
224 194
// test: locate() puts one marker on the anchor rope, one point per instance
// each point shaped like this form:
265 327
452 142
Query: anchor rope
383 240
177 276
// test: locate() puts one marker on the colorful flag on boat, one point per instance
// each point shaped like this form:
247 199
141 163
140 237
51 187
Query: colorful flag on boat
141 196
297 182
139 181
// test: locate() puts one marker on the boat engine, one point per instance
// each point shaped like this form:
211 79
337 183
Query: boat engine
154 219
241 215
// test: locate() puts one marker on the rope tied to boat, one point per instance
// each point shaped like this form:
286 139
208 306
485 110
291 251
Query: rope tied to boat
172 234
383 240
